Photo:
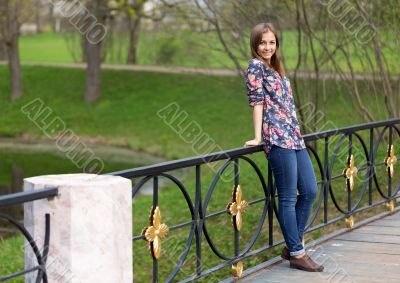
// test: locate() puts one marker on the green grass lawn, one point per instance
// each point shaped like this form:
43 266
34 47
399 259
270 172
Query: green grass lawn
126 115
184 48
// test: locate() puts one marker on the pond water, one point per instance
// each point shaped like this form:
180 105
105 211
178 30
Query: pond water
22 160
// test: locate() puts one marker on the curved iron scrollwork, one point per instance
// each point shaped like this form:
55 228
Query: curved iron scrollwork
155 221
41 258
210 191
237 206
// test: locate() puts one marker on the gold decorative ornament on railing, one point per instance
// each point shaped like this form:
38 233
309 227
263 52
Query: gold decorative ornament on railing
155 232
350 172
390 160
390 205
349 221
237 207
237 269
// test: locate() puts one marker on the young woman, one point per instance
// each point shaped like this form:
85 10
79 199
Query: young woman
276 124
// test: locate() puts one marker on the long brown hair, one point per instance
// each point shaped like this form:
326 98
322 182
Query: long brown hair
255 40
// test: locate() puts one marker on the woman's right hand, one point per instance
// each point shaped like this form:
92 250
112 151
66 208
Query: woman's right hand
253 142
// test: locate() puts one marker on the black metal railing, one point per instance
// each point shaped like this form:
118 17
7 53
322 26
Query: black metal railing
198 207
15 199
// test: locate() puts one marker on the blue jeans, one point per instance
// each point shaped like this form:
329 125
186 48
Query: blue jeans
293 170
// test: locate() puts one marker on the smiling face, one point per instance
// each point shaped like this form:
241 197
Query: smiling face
267 47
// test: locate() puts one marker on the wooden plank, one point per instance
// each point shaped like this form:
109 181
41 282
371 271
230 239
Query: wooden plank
374 238
393 216
387 222
379 230
374 269
379 248
386 225
369 279
356 256
282 273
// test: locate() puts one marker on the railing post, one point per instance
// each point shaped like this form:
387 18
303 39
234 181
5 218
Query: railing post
350 149
389 178
91 228
237 234
199 224
271 205
327 177
371 169
155 204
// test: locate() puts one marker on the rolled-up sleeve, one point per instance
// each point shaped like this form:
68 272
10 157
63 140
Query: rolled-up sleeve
254 84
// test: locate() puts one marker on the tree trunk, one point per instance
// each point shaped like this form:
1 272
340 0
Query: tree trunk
84 45
38 19
13 56
3 51
51 18
93 53
15 68
17 181
134 24
93 72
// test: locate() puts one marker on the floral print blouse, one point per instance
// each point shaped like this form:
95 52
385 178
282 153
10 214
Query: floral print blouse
280 125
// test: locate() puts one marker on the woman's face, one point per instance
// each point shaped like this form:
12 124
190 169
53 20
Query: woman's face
267 46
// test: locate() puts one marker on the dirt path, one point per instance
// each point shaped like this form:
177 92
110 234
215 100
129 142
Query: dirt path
188 70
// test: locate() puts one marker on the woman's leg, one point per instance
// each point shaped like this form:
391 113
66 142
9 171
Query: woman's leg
284 167
307 187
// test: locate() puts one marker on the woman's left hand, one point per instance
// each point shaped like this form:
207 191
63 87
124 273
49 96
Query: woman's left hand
253 142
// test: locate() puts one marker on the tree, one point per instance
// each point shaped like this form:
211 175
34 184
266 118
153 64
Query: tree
134 13
102 10
9 24
354 31
133 10
3 52
37 7
134 17
92 49
326 31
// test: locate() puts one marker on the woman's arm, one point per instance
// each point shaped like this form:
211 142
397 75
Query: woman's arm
257 121
255 92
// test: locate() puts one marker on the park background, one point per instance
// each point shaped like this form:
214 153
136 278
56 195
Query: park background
341 57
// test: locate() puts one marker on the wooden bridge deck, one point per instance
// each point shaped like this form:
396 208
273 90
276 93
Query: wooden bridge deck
369 253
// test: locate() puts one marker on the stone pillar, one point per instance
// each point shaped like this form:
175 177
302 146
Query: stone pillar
90 228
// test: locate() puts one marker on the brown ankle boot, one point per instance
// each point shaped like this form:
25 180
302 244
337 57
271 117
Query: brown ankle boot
305 263
285 253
